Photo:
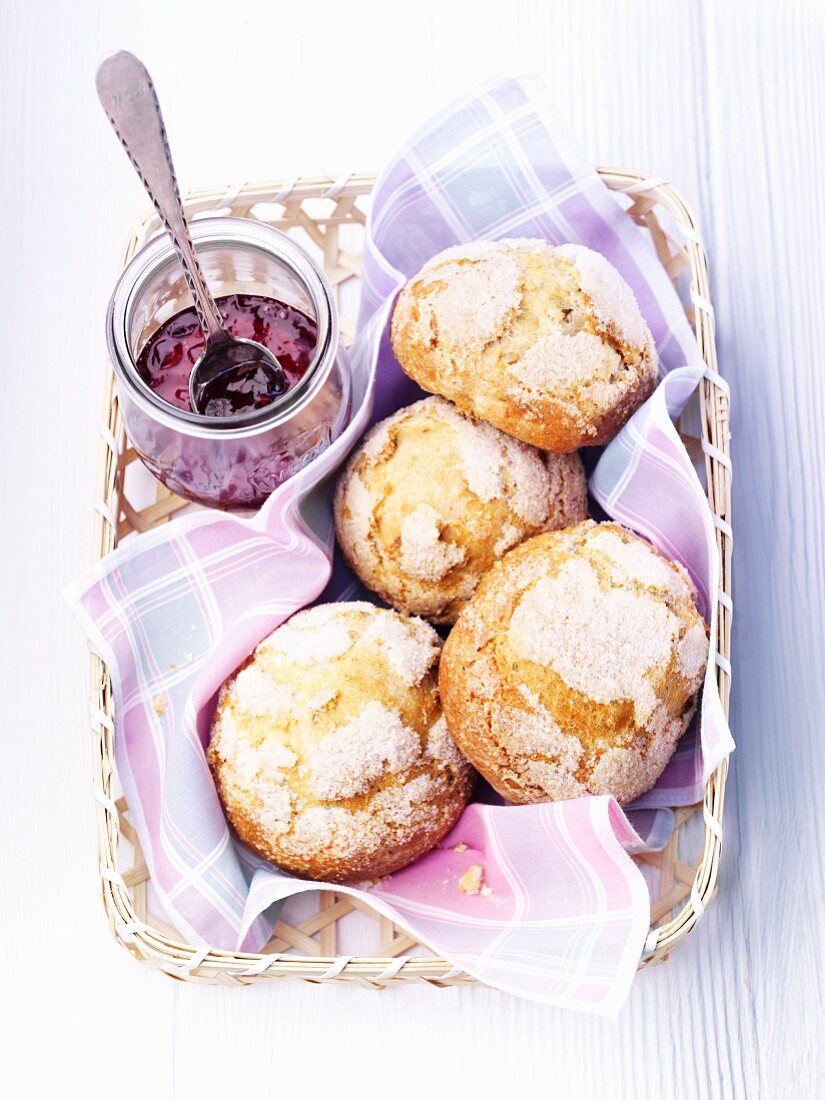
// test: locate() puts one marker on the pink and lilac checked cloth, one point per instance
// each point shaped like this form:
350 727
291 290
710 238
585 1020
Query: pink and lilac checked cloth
174 611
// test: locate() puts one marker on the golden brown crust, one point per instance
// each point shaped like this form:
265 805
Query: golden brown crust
431 498
547 344
574 668
396 852
330 754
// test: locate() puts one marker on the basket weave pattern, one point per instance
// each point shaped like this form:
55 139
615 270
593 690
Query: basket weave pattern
326 211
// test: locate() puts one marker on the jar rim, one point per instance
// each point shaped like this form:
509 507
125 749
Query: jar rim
222 231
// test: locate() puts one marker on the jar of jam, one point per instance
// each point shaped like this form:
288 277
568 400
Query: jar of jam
248 440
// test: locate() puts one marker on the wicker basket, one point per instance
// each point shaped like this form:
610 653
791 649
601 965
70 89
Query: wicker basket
329 214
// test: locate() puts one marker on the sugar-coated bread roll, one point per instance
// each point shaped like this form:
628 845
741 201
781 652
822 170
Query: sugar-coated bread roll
329 749
546 343
431 498
574 669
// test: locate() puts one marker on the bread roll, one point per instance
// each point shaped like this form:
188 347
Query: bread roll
546 343
574 669
431 498
329 749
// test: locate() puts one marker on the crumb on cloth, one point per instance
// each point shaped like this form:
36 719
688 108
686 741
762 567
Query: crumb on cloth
472 881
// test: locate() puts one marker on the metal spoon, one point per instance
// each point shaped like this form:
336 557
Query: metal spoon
129 99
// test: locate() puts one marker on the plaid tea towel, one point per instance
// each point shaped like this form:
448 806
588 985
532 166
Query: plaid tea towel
173 612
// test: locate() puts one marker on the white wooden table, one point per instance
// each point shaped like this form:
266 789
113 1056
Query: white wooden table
724 99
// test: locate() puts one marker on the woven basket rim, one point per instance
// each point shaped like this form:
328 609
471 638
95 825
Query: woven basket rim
185 961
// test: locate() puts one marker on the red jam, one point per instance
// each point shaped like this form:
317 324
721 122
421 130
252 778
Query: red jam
166 361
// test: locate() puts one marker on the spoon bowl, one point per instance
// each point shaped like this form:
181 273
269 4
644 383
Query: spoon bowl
235 376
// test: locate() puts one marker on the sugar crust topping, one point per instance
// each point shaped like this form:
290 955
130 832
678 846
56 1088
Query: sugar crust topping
410 645
423 553
348 761
606 643
638 561
344 832
477 288
328 631
559 364
496 466
612 299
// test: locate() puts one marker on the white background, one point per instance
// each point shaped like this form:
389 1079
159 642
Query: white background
724 99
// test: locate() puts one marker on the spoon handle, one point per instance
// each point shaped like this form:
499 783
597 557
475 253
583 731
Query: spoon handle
128 97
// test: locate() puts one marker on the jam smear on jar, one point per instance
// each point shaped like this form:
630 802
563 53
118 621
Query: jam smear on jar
166 361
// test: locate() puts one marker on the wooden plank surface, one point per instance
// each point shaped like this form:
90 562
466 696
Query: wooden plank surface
724 99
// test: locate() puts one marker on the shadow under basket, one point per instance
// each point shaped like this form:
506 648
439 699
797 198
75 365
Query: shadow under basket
310 940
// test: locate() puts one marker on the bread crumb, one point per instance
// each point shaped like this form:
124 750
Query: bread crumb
460 847
472 881
159 704
486 891
372 883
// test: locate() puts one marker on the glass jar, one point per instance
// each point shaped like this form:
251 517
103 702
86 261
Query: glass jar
228 461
